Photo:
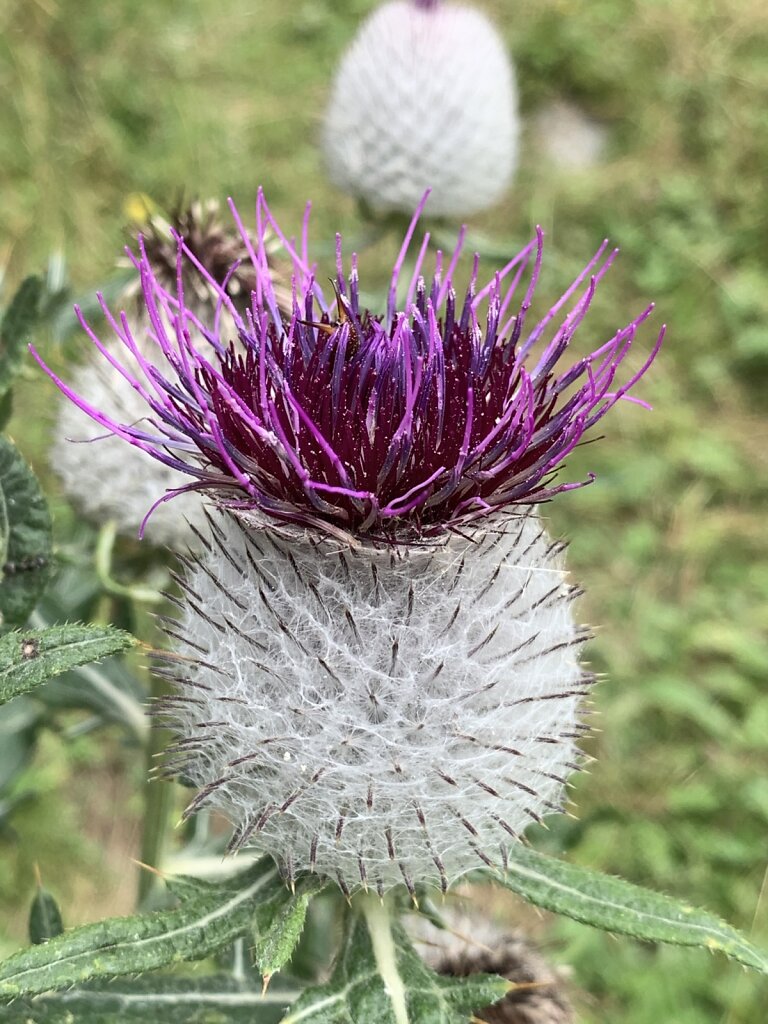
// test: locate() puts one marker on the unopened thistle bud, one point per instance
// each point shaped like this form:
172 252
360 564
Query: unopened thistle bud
108 480
376 657
424 97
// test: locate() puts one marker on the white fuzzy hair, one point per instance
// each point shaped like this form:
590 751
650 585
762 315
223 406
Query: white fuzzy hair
423 98
108 479
377 715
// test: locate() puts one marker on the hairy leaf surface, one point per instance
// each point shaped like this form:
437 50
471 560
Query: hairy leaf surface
29 657
617 906
391 984
210 916
218 999
25 537
278 924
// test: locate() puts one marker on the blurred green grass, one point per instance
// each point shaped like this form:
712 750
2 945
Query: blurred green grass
116 97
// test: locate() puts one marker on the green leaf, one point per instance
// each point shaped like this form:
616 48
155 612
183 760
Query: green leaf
211 916
44 917
380 979
278 924
614 905
30 657
6 409
217 999
25 537
20 722
19 319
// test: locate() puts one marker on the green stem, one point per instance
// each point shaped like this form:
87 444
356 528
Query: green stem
378 918
105 546
158 805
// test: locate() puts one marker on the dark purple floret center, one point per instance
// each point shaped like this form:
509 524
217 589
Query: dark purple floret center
393 427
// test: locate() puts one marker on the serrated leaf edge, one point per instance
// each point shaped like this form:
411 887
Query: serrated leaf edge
194 924
730 943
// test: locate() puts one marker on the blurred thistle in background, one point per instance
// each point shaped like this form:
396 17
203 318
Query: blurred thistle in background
104 478
470 943
424 97
350 700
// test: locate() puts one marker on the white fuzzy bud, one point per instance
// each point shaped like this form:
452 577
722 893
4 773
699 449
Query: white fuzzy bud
108 479
424 97
569 138
378 715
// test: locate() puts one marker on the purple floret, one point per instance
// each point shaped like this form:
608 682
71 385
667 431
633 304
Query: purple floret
392 427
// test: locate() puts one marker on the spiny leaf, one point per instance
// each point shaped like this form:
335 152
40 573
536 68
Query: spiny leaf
390 984
217 914
217 999
618 906
19 319
25 537
29 657
278 924
44 917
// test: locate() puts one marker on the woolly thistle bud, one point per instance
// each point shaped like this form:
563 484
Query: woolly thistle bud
379 715
108 480
376 655
424 97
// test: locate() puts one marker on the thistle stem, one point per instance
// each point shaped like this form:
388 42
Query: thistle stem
105 546
158 802
378 918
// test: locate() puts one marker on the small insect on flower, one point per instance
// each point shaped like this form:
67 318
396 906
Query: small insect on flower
380 657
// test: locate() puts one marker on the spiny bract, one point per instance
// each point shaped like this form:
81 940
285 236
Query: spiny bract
379 715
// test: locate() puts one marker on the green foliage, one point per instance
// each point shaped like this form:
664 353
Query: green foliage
618 906
216 999
210 915
18 321
45 920
25 537
29 658
278 924
379 977
6 409
19 725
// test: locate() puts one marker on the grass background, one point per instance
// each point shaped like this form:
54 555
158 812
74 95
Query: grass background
105 98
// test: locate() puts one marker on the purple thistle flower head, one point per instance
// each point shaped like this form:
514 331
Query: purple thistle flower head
390 427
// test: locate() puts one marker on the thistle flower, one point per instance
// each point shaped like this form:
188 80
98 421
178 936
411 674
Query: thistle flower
424 97
376 654
106 479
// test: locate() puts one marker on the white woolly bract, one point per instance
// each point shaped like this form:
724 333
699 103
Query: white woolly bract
423 98
109 479
378 716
